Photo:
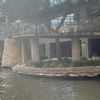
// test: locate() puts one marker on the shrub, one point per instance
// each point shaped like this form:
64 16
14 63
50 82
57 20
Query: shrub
30 63
85 63
42 57
66 60
33 63
47 64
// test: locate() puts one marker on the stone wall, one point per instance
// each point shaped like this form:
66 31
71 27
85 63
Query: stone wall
87 71
12 52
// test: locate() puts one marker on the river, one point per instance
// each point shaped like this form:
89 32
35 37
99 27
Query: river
16 87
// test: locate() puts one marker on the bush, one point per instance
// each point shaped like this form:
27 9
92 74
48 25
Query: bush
66 60
85 62
32 63
42 57
48 64
63 63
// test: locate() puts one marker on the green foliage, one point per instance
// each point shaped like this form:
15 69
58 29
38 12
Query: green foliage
64 63
85 62
48 64
37 10
42 57
23 9
30 63
66 60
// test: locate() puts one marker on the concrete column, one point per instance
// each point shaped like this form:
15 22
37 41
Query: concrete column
35 49
76 49
58 52
23 52
11 53
26 55
85 47
47 50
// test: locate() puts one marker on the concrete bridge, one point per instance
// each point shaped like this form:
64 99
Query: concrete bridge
22 40
20 48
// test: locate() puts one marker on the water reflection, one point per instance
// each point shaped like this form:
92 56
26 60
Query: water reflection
2 86
15 87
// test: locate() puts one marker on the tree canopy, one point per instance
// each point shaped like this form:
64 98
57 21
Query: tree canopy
34 9
22 9
40 10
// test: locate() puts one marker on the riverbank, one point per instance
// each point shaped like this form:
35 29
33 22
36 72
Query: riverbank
89 71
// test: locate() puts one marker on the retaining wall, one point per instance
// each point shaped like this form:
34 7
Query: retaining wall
11 53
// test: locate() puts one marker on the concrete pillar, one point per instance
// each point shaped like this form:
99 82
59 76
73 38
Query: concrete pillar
76 49
35 49
47 50
58 51
24 54
11 53
85 47
26 50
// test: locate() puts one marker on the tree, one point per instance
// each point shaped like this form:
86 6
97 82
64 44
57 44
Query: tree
34 9
22 9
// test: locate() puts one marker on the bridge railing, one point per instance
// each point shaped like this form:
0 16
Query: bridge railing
24 29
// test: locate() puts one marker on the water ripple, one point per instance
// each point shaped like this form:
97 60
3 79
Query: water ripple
3 86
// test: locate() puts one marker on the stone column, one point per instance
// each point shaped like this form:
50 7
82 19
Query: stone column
85 48
11 53
76 49
35 49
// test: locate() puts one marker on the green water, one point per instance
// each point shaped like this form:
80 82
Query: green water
16 87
